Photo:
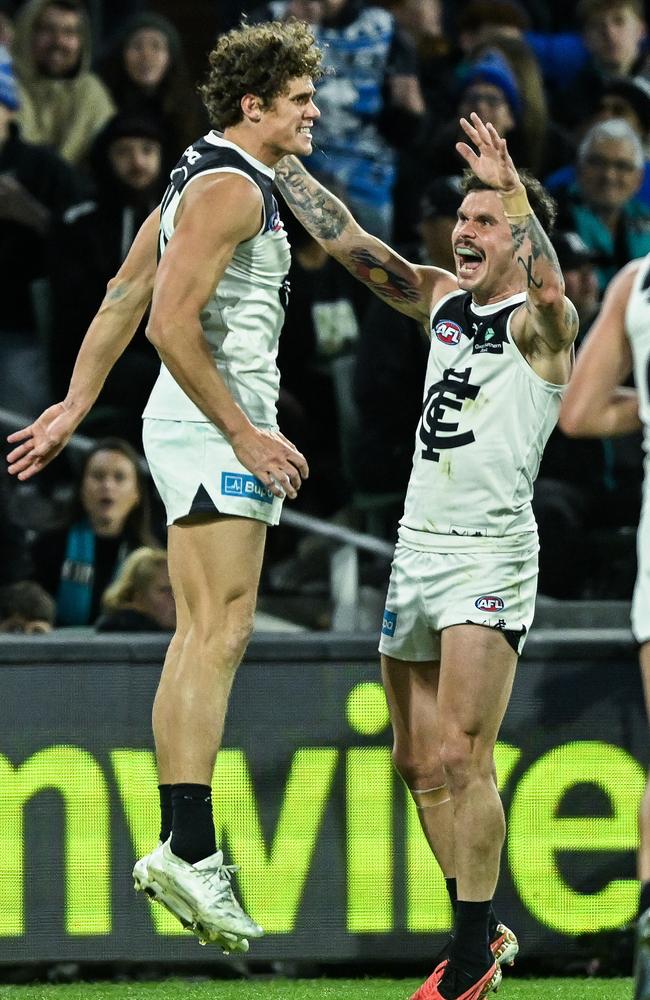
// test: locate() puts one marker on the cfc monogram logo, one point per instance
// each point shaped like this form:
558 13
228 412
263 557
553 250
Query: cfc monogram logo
437 431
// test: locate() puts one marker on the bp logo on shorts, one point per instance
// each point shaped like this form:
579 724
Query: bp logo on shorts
389 623
448 332
236 484
489 603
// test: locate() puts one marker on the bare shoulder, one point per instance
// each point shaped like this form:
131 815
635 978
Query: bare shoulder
438 283
223 201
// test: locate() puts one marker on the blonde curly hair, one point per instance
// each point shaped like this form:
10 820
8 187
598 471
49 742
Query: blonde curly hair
258 59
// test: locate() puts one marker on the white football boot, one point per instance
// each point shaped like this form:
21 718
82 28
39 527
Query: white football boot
145 882
205 891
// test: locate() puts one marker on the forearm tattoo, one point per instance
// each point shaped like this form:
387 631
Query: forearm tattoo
542 251
326 218
382 277
323 216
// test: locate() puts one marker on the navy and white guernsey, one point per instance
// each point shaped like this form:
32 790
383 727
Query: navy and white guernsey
243 317
637 326
486 418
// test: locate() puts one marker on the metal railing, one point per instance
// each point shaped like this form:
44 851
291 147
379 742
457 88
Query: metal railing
343 556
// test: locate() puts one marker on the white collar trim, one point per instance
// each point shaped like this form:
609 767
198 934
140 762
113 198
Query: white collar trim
218 140
494 307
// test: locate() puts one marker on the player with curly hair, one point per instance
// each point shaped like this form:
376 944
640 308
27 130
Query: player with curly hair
210 431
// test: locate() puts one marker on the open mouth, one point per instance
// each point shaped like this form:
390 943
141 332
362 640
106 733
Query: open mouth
469 260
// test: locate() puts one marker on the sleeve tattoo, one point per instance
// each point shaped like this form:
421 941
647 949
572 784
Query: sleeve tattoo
326 218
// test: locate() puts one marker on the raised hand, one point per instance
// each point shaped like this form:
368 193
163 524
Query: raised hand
272 458
493 164
41 441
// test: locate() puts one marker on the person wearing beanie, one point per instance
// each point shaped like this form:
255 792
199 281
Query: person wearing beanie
36 186
489 88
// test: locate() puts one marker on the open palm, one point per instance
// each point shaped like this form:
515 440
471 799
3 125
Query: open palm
493 164
42 441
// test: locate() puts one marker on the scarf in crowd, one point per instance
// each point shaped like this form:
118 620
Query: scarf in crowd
74 597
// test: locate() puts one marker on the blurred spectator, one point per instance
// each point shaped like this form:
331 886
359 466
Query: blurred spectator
601 206
440 204
585 485
537 142
146 73
422 21
26 608
88 248
627 98
63 104
140 599
6 30
490 89
322 321
371 105
479 18
109 518
36 186
388 387
14 560
614 33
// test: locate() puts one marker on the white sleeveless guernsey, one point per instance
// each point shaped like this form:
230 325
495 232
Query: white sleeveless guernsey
243 318
486 418
637 326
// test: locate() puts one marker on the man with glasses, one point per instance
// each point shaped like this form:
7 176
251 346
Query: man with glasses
601 206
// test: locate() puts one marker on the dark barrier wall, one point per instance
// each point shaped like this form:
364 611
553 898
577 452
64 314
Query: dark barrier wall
332 860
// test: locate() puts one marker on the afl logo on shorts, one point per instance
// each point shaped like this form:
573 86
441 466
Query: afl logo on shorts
448 332
489 603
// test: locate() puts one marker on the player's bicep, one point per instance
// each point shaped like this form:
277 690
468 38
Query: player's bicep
214 221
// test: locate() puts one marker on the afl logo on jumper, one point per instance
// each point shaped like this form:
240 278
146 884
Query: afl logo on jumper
448 332
489 603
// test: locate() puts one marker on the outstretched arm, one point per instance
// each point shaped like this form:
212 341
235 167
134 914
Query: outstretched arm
550 323
596 404
127 296
409 288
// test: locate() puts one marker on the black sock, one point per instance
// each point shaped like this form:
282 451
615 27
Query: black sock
493 923
451 892
644 898
165 792
192 825
470 948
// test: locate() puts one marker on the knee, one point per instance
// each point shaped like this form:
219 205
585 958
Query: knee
222 635
418 766
464 759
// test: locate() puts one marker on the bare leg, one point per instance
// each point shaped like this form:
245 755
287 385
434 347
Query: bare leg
643 861
476 679
411 692
214 567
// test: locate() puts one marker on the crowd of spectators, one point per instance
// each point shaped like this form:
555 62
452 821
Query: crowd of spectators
97 102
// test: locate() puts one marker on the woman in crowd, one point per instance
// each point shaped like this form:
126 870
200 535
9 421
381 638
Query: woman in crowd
110 517
146 73
140 599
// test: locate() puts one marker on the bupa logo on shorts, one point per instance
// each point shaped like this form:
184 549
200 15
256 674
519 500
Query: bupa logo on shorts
489 602
448 332
236 484
389 623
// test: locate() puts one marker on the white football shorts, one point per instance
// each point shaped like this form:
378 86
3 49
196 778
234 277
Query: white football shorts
429 591
196 472
641 599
